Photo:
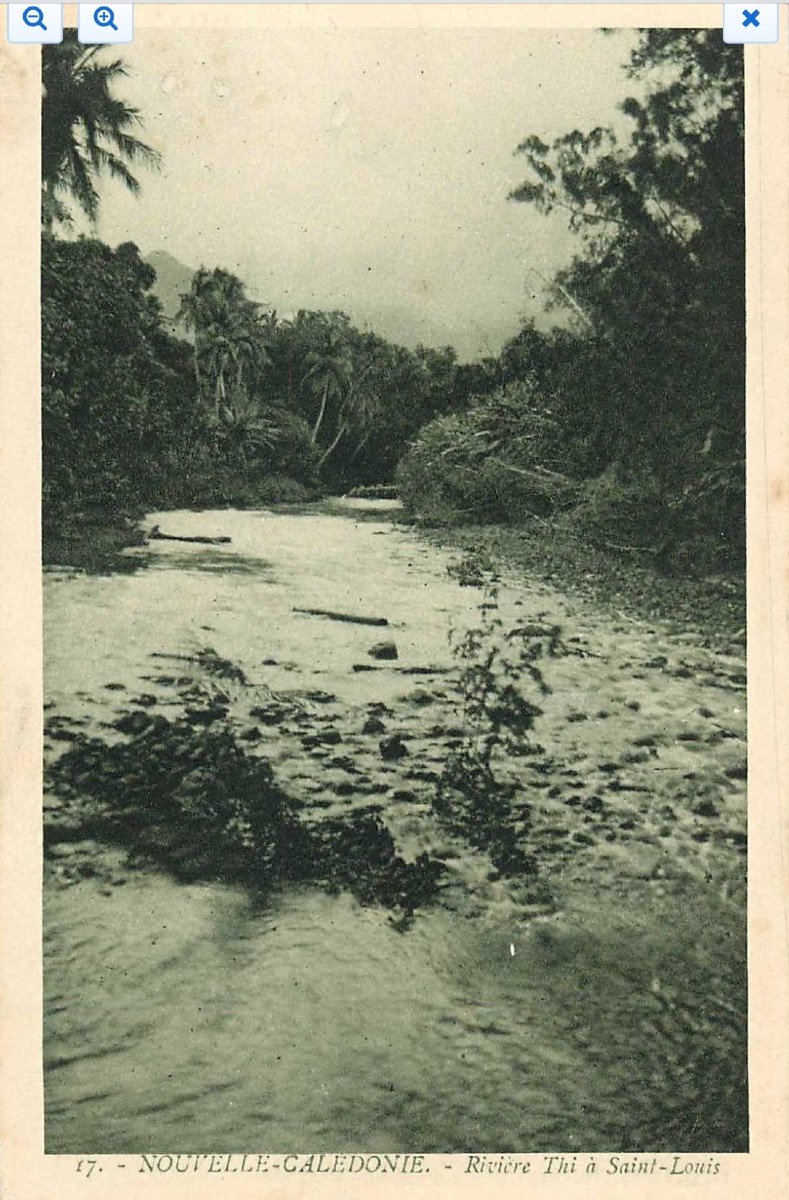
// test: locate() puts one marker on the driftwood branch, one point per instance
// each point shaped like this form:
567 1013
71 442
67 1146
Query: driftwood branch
536 474
350 618
156 535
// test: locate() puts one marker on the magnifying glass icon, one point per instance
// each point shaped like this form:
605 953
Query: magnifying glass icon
33 17
105 17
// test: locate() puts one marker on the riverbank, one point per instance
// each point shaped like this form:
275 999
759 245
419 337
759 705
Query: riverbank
94 539
616 581
90 541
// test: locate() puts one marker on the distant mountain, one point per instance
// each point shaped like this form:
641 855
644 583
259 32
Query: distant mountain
397 323
173 278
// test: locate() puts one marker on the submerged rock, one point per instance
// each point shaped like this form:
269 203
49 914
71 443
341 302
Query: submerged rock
383 650
393 748
325 737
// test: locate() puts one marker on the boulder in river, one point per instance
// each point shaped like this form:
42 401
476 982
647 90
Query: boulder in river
325 737
383 650
393 748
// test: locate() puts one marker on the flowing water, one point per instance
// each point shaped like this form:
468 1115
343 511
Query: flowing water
196 1016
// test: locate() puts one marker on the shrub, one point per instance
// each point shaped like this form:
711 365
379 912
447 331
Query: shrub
207 484
695 526
294 454
496 462
477 793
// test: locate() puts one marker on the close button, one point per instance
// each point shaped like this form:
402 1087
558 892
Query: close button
747 23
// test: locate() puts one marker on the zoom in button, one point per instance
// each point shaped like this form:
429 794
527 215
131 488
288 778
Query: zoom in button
105 23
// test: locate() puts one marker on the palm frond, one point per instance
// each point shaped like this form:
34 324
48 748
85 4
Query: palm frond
86 129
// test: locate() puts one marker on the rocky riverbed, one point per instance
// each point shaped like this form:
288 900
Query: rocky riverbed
229 761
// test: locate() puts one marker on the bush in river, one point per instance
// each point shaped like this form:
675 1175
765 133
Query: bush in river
474 794
185 793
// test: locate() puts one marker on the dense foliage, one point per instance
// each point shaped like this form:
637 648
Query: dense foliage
123 424
250 409
646 383
495 462
133 415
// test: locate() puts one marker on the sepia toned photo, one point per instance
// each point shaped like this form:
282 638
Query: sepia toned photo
395 747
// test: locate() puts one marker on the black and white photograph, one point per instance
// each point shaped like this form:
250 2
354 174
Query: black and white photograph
395 748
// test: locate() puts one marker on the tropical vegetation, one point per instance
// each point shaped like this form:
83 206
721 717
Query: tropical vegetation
638 397
624 421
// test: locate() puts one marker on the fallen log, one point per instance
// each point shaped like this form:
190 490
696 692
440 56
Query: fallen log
156 535
423 670
351 618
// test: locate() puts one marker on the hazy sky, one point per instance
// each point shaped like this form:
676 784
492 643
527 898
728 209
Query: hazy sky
363 169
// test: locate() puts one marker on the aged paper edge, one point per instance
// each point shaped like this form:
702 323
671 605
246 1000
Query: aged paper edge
764 1171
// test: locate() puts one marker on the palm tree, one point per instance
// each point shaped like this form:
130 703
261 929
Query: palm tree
228 330
85 129
358 412
329 371
192 314
361 403
252 431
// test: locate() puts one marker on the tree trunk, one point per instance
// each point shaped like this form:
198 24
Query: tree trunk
340 432
360 446
49 214
321 413
198 379
220 390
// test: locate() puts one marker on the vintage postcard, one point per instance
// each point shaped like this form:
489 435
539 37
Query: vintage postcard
394 588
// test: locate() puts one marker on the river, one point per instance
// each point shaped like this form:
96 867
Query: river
591 1008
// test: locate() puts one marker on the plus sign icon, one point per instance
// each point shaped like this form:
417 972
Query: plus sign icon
743 24
100 23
